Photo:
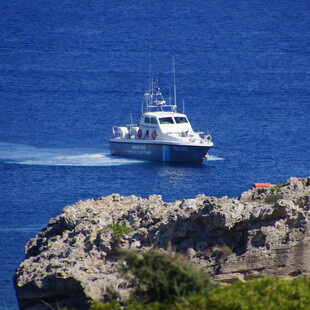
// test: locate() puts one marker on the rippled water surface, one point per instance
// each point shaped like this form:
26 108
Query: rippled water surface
71 70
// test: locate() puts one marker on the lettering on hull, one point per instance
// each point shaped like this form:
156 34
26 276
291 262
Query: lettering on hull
138 147
181 148
139 150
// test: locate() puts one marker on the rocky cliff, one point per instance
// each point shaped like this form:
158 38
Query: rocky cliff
264 232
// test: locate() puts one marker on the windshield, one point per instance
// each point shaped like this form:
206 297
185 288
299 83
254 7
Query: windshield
166 120
181 120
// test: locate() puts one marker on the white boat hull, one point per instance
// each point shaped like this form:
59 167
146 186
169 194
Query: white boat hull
160 151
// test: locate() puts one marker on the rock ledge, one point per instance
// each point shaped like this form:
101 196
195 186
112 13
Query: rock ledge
73 260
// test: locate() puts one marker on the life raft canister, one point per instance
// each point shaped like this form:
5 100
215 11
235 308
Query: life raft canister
154 134
140 133
260 185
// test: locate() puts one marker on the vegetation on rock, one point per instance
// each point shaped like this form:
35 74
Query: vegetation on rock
167 281
159 276
278 186
118 231
273 198
260 294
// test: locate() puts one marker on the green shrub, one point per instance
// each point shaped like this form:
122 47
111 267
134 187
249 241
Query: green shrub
118 231
113 305
273 198
278 186
263 294
158 276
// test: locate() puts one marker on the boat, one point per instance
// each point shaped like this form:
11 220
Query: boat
162 134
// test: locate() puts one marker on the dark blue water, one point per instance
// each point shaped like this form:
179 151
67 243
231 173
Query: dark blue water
70 70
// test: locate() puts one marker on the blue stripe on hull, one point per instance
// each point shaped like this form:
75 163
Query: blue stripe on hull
159 152
165 153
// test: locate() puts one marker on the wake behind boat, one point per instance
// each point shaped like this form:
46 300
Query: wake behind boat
163 134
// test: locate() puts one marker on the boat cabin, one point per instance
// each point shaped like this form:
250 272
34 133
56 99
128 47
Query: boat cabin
165 121
160 121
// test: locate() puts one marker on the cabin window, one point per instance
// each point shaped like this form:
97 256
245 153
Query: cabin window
166 120
147 120
180 120
153 120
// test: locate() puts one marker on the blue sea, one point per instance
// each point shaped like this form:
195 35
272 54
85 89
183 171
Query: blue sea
70 70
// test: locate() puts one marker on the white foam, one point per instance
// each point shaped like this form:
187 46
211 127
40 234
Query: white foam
214 158
81 160
28 155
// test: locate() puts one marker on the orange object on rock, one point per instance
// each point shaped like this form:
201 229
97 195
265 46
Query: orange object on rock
260 185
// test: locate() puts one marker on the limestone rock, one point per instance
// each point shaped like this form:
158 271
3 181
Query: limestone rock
73 261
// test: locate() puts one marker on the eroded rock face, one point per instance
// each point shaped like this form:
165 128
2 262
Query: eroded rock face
74 260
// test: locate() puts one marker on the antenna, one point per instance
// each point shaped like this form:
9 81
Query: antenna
169 96
174 86
151 79
183 107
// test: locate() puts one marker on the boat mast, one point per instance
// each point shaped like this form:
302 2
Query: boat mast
150 96
154 100
174 86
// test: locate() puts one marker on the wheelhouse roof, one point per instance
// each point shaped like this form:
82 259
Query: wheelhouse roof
163 114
